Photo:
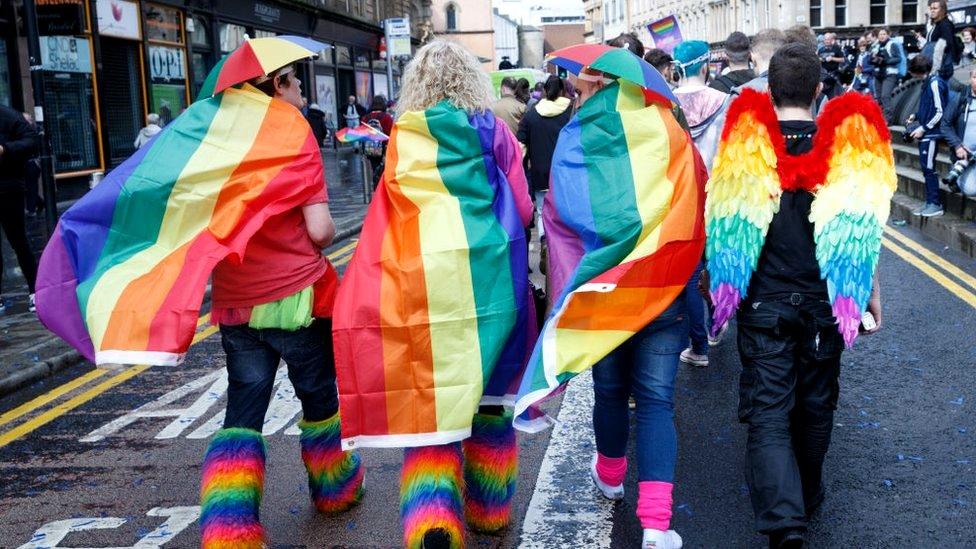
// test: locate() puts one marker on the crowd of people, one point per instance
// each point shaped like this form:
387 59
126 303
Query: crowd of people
662 215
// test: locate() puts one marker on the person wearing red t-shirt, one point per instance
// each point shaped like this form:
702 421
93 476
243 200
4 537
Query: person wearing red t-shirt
275 303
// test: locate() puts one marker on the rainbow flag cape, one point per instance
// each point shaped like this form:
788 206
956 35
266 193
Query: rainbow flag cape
123 277
624 224
851 172
362 132
432 316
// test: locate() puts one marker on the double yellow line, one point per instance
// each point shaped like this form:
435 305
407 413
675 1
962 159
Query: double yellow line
338 258
947 275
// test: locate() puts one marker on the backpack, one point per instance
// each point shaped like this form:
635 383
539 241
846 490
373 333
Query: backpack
372 148
902 59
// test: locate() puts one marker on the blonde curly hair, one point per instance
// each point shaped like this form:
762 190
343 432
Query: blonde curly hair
445 70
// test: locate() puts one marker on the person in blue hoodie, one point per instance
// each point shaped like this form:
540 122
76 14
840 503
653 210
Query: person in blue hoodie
926 128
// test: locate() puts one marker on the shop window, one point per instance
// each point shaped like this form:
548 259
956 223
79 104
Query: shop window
122 95
877 12
362 58
168 89
231 36
343 55
258 33
815 13
840 13
324 58
198 28
162 24
6 95
909 11
451 17
68 83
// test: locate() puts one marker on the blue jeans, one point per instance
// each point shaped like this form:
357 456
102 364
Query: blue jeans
697 317
252 361
645 366
928 148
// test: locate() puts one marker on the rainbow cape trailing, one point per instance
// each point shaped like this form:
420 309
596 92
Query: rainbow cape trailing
623 219
851 172
433 311
123 277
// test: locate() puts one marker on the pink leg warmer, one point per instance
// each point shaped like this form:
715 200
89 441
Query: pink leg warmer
654 504
611 470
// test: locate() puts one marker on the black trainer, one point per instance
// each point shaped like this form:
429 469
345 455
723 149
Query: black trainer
786 539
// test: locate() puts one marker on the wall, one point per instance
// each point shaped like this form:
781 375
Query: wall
506 39
531 47
474 27
558 36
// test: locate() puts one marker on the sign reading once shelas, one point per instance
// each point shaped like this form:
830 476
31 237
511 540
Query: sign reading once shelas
398 37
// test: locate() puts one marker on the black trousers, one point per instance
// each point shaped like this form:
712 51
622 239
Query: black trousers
12 223
790 351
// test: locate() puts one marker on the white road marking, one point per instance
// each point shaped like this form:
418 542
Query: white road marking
177 520
565 509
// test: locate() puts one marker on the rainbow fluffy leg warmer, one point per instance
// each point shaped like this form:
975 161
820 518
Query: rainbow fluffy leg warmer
490 470
230 490
430 497
335 478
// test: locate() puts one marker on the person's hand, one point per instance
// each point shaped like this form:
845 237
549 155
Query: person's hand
703 285
961 152
874 307
917 133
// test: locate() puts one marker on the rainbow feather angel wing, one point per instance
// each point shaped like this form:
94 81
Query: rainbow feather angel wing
743 194
852 205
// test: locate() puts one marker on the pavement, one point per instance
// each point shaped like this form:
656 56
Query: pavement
28 352
102 459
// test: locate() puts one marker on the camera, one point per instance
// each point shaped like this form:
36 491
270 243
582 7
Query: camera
909 128
951 179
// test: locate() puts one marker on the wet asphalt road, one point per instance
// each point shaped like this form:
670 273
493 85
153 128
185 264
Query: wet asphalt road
901 470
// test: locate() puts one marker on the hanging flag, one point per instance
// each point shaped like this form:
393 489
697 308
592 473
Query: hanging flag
625 229
123 277
432 316
665 33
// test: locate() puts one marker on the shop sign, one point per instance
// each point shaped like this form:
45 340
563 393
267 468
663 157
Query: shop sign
398 37
118 18
60 17
166 63
65 54
266 13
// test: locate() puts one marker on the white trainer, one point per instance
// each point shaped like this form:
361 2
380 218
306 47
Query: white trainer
688 357
613 493
659 539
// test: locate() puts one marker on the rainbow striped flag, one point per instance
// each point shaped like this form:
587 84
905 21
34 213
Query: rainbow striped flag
362 132
624 223
123 277
850 170
432 317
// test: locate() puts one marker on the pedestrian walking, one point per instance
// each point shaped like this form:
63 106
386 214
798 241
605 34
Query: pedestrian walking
353 112
968 54
831 56
887 59
508 107
925 127
618 307
940 40
801 288
663 62
232 191
538 131
737 50
434 315
959 131
316 120
149 131
18 144
381 120
864 70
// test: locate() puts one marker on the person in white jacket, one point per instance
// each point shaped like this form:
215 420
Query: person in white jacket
151 129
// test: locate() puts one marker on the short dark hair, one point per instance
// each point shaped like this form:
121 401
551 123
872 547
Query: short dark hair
509 82
630 41
920 65
658 58
554 87
378 104
737 48
801 34
794 72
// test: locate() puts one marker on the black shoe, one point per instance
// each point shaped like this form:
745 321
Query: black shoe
438 538
786 539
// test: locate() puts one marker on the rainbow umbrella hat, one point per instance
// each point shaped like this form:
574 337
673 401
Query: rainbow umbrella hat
362 132
616 62
258 57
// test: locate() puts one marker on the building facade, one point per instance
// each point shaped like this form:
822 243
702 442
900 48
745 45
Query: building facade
106 64
561 31
593 21
468 22
506 38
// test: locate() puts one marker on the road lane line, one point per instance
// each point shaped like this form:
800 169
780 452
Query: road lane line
50 395
343 250
934 274
963 277
67 406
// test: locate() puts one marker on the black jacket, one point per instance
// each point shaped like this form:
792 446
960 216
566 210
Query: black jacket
20 144
316 119
539 134
955 117
732 79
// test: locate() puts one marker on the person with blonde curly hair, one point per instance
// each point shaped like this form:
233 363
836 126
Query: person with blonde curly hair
432 318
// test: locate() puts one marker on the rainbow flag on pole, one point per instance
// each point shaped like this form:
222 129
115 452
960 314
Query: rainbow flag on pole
624 222
123 277
432 317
